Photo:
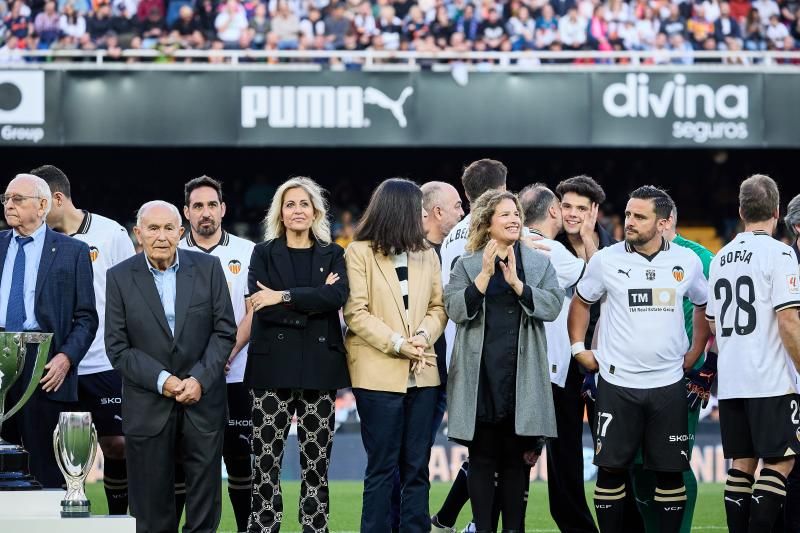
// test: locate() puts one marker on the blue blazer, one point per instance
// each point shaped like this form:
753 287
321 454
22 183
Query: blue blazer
65 304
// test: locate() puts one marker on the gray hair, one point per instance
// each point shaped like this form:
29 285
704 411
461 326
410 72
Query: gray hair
41 188
792 217
431 194
536 200
157 203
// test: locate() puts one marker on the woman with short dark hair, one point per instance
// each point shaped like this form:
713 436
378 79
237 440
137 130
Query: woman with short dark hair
394 314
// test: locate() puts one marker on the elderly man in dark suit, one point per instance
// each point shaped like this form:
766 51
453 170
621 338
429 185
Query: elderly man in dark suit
46 285
169 330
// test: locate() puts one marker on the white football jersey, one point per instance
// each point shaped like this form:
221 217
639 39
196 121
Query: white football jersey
109 244
751 279
641 336
234 253
453 248
569 270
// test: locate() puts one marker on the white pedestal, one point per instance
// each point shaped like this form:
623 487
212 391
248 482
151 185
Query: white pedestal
40 512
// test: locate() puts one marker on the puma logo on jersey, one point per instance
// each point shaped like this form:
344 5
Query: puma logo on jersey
757 498
628 273
245 438
683 453
737 502
786 253
117 417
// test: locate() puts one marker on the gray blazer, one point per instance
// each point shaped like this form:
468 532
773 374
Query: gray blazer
534 412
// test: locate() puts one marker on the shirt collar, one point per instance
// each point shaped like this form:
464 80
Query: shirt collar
36 234
664 247
85 224
224 239
172 268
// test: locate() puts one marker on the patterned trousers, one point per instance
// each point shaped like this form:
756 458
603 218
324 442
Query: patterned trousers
272 418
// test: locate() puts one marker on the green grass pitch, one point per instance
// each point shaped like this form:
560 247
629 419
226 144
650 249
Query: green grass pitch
346 506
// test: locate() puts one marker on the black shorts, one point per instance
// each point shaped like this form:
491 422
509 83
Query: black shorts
654 419
240 422
101 395
764 428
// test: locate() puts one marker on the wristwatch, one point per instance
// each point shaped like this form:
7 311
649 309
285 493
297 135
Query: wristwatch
286 297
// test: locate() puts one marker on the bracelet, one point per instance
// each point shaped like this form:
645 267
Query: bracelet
577 348
424 335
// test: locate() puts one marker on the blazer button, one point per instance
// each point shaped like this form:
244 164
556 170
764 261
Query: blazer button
321 339
280 336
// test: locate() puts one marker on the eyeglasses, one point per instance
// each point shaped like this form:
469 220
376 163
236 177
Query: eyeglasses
16 199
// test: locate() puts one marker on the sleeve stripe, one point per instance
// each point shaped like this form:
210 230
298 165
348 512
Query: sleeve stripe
702 305
583 271
584 300
787 305
709 317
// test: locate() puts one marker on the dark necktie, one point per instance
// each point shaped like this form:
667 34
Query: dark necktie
15 312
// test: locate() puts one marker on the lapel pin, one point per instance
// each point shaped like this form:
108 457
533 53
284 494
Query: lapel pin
53 250
321 269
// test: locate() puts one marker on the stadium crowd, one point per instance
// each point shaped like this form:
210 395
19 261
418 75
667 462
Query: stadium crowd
397 25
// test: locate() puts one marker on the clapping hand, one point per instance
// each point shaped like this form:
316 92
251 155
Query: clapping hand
510 272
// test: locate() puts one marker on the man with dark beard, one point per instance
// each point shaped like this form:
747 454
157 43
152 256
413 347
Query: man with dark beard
642 353
204 209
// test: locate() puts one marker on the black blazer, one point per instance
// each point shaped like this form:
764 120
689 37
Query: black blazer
64 304
140 344
299 345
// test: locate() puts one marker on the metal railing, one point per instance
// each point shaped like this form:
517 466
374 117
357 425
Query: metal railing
403 60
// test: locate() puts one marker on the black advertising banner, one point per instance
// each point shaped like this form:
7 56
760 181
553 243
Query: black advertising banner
143 106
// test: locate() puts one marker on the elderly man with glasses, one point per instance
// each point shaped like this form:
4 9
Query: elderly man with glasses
46 285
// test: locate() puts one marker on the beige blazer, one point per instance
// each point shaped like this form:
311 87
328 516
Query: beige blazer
374 312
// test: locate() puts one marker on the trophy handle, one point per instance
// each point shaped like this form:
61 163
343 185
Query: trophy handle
56 434
38 369
93 447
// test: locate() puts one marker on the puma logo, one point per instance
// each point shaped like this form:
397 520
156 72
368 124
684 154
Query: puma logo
757 498
375 97
737 502
628 273
786 253
686 455
245 438
117 417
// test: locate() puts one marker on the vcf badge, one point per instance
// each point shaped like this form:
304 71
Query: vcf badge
678 273
235 266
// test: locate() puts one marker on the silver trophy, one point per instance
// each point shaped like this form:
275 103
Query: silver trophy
75 445
14 469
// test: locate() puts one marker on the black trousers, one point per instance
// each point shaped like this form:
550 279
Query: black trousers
565 483
33 425
151 476
272 417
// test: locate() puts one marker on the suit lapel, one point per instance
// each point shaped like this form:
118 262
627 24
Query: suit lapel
387 269
143 279
49 251
183 290
5 241
320 261
283 264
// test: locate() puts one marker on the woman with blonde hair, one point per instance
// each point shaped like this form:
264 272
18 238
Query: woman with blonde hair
498 390
394 315
298 283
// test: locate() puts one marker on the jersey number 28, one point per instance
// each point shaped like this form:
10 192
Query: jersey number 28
743 292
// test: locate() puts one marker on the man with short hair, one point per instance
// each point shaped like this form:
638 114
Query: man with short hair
443 204
169 331
753 301
565 482
642 352
46 285
204 209
705 370
478 177
99 385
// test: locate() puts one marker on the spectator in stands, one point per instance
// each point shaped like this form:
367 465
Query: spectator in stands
285 26
337 25
231 23
674 23
647 28
572 30
546 28
10 52
153 28
597 36
678 44
468 24
709 45
795 30
390 28
17 22
776 33
259 26
123 24
754 37
699 28
99 22
46 24
443 27
735 45
394 315
187 31
522 30
491 30
725 26
364 20
112 48
766 8
207 14
415 27
313 25
562 7
616 14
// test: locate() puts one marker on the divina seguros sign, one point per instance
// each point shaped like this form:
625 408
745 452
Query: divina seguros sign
138 106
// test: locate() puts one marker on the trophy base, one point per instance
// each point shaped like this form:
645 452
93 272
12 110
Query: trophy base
14 470
75 509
